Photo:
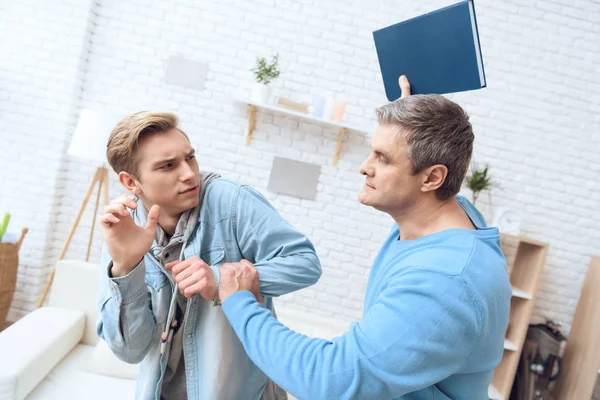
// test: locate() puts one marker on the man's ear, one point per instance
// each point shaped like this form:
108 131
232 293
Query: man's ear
130 183
433 177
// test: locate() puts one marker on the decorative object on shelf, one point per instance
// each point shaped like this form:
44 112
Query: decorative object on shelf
187 73
477 181
294 178
292 105
581 360
525 273
88 142
9 263
264 73
338 111
328 108
318 107
253 109
541 361
507 220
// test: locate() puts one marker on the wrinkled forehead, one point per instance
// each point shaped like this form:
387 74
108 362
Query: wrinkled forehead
166 145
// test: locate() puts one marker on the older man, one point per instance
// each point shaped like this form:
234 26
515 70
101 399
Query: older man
437 303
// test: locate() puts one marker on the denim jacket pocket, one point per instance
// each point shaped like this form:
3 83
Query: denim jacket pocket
160 294
214 256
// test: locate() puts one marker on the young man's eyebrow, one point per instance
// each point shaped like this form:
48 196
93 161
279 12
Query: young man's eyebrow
168 160
161 162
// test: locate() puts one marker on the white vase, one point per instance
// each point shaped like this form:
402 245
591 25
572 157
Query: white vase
261 93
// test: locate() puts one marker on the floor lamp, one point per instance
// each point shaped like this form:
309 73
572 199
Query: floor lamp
88 142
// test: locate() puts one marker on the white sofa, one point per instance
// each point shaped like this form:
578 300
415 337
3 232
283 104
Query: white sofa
54 352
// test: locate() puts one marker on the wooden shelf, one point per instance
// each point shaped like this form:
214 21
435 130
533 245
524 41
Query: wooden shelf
529 260
343 127
523 239
582 353
525 270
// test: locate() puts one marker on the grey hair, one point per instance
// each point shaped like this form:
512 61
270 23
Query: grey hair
437 131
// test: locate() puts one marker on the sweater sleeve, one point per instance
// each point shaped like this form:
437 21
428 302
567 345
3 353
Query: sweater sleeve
422 328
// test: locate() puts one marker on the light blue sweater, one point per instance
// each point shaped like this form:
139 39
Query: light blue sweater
436 310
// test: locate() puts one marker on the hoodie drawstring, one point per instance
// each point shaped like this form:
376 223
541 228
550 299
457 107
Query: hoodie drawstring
171 323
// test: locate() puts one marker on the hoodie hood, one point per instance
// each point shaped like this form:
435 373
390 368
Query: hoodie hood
187 221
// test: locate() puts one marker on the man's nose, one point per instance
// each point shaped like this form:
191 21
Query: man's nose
366 168
187 173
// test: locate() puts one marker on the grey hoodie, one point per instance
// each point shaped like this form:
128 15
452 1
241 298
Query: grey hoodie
165 250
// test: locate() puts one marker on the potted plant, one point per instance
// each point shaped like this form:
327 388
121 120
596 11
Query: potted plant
9 261
264 73
477 181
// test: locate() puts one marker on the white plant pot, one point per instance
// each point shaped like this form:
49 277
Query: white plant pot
261 93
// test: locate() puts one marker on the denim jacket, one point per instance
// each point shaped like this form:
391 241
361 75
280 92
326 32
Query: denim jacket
235 223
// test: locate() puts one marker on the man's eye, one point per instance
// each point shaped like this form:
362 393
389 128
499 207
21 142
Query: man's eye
191 157
166 166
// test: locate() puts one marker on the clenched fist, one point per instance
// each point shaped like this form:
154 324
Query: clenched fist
126 242
239 276
193 276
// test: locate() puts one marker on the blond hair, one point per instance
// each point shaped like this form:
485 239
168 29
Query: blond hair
123 143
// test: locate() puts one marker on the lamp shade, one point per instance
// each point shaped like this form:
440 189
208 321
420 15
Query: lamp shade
91 135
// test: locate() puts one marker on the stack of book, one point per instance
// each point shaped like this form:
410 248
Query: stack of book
292 105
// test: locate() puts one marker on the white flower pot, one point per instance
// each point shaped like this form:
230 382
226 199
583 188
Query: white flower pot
261 93
467 193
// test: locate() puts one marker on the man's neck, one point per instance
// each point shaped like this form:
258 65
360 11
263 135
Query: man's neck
429 217
166 220
168 223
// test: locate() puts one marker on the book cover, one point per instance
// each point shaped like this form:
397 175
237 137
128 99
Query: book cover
439 52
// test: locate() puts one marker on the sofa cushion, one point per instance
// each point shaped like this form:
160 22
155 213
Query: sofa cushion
71 379
32 346
104 362
75 287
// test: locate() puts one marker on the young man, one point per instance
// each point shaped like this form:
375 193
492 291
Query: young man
437 302
176 218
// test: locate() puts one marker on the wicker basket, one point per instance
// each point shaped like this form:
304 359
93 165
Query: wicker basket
9 261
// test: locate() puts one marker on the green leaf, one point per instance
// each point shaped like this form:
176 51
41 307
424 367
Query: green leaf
4 224
265 72
478 180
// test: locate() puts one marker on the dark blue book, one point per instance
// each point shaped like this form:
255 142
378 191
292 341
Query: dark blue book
439 52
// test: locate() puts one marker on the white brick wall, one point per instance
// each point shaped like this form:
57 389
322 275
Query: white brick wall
534 124
40 51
